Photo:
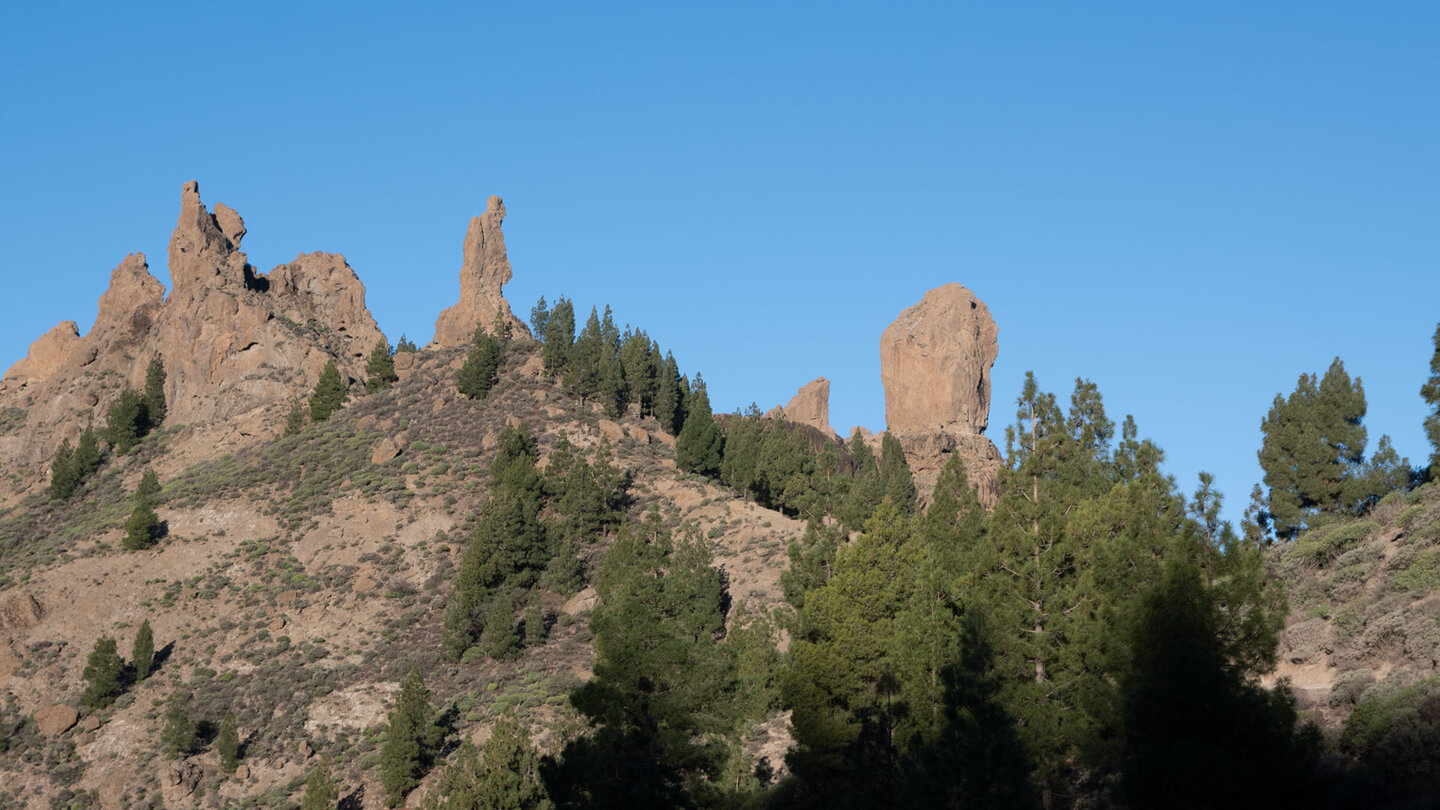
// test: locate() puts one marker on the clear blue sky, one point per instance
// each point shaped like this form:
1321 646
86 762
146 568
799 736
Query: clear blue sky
1190 206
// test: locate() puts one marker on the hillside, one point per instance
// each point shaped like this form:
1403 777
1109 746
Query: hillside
362 561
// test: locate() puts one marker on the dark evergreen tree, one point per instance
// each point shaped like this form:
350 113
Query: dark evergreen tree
510 769
669 398
329 395
661 686
482 366
582 375
143 527
1430 392
539 319
154 399
180 733
227 743
143 653
405 344
321 792
697 448
1314 443
1197 731
559 336
639 371
126 421
743 435
413 740
102 674
501 638
895 478
63 477
867 488
87 455
380 368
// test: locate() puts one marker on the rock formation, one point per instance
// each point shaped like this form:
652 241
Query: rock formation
811 406
237 346
483 275
935 361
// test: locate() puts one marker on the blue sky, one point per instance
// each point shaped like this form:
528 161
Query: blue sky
1189 205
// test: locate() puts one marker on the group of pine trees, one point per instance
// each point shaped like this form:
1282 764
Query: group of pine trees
106 673
619 370
532 528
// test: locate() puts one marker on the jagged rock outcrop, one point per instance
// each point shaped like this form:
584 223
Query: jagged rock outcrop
935 361
483 275
237 346
811 406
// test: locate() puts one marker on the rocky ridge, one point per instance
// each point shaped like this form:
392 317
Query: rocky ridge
237 346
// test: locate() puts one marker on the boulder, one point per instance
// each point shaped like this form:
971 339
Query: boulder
387 449
57 719
483 275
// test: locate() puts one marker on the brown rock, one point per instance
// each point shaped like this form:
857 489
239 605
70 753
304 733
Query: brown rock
935 364
811 406
484 273
230 340
179 781
242 772
586 600
90 723
387 449
57 719
935 361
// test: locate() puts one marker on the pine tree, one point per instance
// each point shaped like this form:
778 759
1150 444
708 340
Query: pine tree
180 732
509 769
380 368
412 742
535 631
895 478
143 652
1314 443
539 319
668 399
1430 392
697 448
63 478
405 344
482 366
321 792
143 527
102 674
582 374
297 419
559 335
661 685
126 421
227 743
329 395
154 399
87 455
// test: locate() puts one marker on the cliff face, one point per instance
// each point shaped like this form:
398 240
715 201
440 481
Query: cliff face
237 346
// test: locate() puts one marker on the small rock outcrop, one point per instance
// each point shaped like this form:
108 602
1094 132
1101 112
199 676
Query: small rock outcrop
935 361
483 276
811 406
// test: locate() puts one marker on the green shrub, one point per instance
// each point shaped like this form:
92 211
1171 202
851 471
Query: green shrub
1422 575
1350 687
1319 547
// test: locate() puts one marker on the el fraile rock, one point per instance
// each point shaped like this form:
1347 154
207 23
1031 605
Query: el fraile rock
484 273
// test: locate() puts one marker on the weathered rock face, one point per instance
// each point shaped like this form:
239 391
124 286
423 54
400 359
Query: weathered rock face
811 406
237 346
483 275
935 364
